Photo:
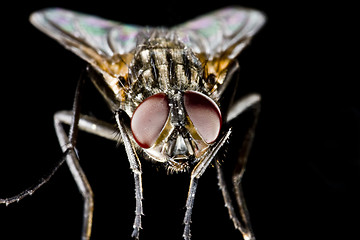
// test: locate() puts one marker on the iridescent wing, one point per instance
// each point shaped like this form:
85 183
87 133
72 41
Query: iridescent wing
94 39
217 38
223 32
106 45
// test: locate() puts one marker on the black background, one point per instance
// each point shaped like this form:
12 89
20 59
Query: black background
303 174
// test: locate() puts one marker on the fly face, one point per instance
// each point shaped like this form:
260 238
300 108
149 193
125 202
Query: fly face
176 128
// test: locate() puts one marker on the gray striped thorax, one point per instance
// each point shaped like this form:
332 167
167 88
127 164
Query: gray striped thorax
164 65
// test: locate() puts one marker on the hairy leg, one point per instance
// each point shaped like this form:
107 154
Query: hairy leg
197 172
243 223
136 169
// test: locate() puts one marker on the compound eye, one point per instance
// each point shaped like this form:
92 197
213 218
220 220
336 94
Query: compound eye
204 114
149 119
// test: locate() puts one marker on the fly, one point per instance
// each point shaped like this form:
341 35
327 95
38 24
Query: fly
166 88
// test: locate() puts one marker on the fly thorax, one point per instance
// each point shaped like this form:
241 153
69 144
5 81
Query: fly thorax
162 65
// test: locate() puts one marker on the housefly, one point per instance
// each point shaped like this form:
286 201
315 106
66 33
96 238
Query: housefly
166 88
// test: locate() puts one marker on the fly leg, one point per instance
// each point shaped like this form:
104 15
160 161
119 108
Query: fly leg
196 173
85 123
91 125
32 189
136 169
68 144
243 224
72 161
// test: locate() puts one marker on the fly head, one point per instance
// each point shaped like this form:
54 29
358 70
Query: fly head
176 128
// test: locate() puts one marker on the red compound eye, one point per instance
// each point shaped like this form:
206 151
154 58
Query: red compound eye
149 119
204 114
